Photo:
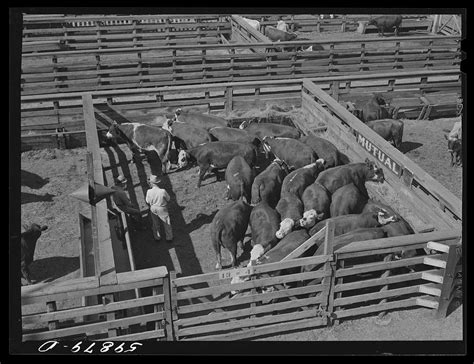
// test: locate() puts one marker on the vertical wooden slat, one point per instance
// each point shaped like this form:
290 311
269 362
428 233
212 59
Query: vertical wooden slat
95 236
157 308
448 280
228 100
167 305
171 306
106 299
329 281
386 259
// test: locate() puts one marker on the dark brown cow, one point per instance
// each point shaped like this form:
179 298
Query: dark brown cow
375 108
226 134
324 149
239 177
386 23
29 239
294 153
290 209
347 200
389 129
185 135
267 185
297 181
228 229
143 137
455 149
264 222
276 35
262 130
356 173
316 202
204 121
217 155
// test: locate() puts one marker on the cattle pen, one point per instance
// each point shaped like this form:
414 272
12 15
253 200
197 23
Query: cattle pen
194 307
140 69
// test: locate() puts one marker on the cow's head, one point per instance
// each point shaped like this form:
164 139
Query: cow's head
379 99
167 125
372 22
177 112
256 252
244 124
384 218
374 173
113 131
454 145
310 218
285 228
34 230
182 158
266 141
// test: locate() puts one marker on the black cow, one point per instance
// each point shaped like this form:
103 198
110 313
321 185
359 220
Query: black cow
262 130
239 177
455 149
226 134
228 229
204 121
297 181
217 155
290 209
277 35
347 223
324 149
386 23
316 202
141 137
294 153
389 129
267 185
264 222
374 109
347 200
356 173
185 135
28 244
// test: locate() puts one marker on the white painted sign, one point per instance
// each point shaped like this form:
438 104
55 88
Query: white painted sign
379 154
231 273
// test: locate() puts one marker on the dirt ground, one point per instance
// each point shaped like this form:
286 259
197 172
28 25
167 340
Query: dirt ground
49 176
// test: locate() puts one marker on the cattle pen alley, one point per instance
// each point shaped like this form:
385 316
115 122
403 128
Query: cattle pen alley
80 74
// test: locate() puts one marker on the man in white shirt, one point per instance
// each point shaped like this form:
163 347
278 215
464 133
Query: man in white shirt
158 199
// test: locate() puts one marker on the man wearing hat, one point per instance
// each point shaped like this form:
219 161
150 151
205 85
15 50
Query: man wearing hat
158 200
122 201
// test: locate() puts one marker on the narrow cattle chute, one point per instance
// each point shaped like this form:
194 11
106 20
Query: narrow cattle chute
142 69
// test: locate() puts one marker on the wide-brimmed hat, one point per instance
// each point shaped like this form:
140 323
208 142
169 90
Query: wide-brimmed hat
120 179
154 179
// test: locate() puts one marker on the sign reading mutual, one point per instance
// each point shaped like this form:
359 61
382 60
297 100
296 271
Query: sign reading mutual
379 154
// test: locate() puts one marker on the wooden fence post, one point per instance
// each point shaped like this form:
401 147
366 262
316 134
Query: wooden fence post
386 259
228 100
171 308
329 265
448 280
167 305
106 299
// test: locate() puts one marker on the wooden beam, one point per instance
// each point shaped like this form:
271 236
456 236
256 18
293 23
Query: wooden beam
106 272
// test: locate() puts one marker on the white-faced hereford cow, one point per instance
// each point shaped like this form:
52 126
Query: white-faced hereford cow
217 155
28 244
316 202
239 177
294 153
228 229
204 121
141 137
185 135
267 185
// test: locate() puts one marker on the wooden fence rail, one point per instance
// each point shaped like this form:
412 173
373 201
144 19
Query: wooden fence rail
68 71
61 113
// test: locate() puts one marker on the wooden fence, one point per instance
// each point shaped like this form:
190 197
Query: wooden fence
59 120
67 33
150 319
341 284
139 67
